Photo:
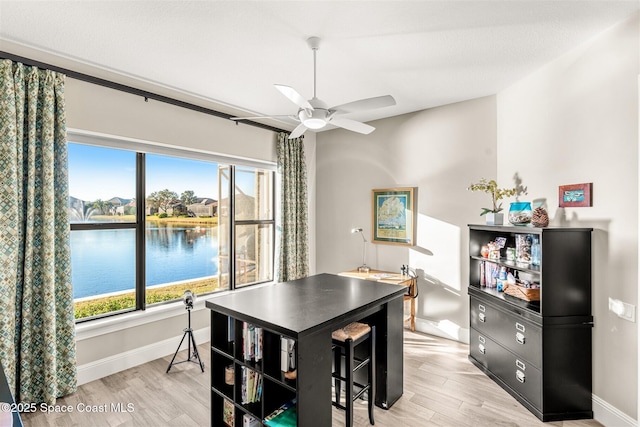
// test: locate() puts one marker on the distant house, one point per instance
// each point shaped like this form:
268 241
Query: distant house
117 205
126 209
204 206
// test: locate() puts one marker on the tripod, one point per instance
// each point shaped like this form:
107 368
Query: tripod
190 340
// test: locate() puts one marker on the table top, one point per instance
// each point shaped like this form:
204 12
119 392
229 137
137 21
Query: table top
304 306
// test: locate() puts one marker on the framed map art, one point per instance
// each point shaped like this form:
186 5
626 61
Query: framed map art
394 216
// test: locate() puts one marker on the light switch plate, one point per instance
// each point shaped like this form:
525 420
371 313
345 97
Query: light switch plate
622 309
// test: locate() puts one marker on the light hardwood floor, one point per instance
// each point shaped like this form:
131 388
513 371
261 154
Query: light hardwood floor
441 388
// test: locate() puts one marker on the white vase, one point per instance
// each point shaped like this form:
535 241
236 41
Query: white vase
494 218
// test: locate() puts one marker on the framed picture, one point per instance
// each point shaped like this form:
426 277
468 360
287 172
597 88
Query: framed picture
394 216
575 195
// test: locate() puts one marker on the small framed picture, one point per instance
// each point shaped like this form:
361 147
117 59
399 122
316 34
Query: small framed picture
575 195
394 216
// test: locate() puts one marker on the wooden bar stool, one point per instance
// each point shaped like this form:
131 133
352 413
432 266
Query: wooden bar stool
344 342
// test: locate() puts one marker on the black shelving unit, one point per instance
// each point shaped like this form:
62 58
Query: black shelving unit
538 351
226 350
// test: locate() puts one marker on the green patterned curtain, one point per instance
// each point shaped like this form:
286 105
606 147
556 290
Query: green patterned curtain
37 331
293 262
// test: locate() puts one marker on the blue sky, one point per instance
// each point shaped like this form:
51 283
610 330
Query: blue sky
103 173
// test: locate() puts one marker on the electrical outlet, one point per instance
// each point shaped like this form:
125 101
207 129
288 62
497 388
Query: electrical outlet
622 309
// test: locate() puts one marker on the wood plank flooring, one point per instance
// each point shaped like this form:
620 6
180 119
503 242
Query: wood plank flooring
441 388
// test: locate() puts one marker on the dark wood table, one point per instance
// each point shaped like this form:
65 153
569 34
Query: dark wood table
308 310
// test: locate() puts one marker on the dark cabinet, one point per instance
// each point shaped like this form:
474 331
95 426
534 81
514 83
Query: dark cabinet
537 350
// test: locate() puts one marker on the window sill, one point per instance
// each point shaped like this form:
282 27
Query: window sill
95 328
119 322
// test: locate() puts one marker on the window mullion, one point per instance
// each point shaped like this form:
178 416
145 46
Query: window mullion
232 227
140 233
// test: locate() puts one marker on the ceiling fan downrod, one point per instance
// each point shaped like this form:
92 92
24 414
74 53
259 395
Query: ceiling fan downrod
314 44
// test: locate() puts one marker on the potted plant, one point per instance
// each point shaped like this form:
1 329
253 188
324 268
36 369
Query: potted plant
493 215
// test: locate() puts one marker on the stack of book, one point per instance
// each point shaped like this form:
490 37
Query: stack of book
251 342
251 386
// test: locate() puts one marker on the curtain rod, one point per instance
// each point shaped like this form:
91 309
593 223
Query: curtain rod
133 90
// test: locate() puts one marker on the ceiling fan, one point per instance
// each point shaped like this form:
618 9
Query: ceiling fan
314 113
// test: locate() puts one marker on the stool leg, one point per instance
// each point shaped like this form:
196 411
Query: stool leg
337 362
349 386
372 373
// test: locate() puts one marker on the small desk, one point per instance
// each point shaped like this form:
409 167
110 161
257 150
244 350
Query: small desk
308 310
396 279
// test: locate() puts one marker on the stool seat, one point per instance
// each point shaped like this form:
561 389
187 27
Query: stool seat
353 330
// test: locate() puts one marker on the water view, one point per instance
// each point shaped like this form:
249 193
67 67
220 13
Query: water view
174 252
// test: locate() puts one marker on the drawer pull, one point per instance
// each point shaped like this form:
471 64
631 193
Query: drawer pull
519 327
482 317
481 348
520 365
520 376
481 339
520 338
481 307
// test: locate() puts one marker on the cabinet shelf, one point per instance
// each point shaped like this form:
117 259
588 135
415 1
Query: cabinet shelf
227 349
538 351
528 268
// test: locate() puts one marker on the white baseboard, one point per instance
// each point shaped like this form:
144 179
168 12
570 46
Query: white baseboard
608 415
119 362
444 329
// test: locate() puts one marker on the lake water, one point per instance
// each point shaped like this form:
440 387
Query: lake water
103 261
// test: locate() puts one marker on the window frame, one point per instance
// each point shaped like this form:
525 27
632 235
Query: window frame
141 148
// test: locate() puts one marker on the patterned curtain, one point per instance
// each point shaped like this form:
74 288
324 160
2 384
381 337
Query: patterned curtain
37 331
293 262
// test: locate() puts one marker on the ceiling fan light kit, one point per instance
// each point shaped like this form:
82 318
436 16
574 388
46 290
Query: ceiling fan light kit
314 114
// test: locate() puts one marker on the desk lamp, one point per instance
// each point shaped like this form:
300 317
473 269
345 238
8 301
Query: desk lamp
363 268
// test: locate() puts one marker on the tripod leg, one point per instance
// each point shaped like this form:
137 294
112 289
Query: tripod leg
195 351
176 353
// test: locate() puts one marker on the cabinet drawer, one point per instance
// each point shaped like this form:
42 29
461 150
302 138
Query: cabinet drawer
510 330
521 376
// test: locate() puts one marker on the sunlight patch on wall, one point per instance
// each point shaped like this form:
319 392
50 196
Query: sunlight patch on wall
437 251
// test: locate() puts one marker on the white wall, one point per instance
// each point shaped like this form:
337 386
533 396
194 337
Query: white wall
440 151
575 121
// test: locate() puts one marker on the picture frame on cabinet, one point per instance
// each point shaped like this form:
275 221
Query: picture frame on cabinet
394 215
575 195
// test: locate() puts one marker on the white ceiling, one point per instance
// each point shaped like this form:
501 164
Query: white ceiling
424 53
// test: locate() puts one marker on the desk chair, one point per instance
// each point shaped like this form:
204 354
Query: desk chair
344 341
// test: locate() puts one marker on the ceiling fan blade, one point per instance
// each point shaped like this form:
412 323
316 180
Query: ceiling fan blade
352 125
298 131
294 96
365 104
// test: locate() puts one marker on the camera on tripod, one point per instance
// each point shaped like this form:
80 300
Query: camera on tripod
188 298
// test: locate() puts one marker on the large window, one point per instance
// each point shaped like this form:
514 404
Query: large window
146 227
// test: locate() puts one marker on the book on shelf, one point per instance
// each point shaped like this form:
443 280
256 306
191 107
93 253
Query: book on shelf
251 388
251 342
287 354
230 329
284 416
228 412
249 421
